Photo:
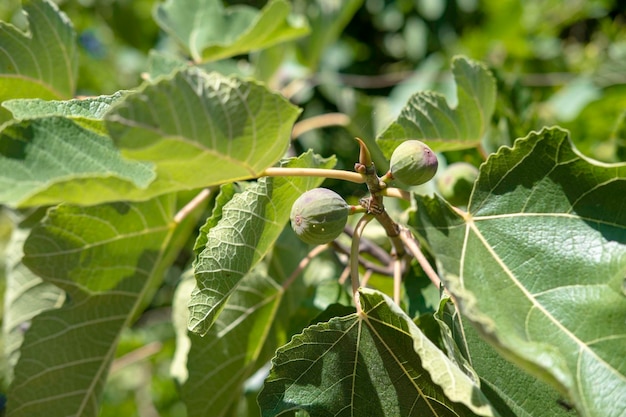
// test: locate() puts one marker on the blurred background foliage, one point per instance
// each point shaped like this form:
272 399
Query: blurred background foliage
555 61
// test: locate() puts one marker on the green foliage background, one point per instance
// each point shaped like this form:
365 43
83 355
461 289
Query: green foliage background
555 63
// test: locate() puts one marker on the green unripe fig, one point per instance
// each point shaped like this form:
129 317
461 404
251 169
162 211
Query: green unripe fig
456 182
413 163
319 215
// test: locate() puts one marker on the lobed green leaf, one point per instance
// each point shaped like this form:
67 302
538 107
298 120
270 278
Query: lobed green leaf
202 129
538 265
192 130
378 363
427 116
510 390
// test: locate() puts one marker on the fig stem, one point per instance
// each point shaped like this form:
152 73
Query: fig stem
313 172
397 193
356 209
354 259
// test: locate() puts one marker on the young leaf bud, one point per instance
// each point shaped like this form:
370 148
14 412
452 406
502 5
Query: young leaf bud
413 163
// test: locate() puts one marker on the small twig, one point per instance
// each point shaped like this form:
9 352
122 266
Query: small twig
483 153
303 264
192 205
294 87
375 81
320 121
413 247
136 355
366 277
362 261
344 275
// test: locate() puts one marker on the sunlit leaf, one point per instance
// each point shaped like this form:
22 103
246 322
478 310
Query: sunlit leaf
538 265
53 159
250 223
202 129
375 364
195 129
41 63
428 117
88 111
210 32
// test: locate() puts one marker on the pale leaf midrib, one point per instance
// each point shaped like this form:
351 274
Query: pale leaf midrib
582 346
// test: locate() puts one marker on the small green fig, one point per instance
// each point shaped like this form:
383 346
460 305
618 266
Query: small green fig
413 163
319 215
456 182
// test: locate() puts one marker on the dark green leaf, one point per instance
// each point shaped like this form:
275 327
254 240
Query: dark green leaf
510 390
225 357
26 296
538 264
375 364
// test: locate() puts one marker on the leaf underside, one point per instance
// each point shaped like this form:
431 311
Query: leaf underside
221 361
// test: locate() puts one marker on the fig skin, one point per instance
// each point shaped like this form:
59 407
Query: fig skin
413 163
319 215
456 182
